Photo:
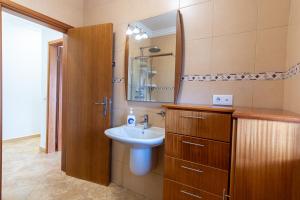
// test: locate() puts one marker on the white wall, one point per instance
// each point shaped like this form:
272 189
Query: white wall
22 60
25 72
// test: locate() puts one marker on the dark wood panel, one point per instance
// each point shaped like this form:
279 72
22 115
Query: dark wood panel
126 60
64 99
52 100
87 80
207 152
267 160
179 55
210 125
176 191
59 114
198 176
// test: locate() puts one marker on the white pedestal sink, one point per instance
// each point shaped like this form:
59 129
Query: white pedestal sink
141 141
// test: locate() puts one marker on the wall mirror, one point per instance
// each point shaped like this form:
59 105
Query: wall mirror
153 58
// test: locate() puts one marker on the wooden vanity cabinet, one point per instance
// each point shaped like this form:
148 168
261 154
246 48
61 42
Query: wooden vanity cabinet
197 153
214 153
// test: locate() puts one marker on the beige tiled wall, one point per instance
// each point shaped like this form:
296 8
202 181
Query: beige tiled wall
220 36
68 11
292 86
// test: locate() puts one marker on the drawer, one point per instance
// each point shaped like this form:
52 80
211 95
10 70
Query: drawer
210 125
198 176
176 191
206 152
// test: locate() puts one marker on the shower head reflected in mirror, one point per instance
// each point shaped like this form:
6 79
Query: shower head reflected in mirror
155 49
151 49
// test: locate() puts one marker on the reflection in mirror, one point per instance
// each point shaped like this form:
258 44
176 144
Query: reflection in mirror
151 59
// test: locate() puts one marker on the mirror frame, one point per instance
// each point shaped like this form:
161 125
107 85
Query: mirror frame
178 59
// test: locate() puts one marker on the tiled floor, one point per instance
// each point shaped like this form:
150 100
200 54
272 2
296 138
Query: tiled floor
31 175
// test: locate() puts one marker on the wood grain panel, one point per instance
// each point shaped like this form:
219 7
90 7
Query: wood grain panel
198 176
64 99
179 55
126 63
176 191
59 114
267 160
267 114
210 125
87 80
207 152
52 99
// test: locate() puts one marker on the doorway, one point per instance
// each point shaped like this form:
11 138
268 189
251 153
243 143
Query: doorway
25 100
86 104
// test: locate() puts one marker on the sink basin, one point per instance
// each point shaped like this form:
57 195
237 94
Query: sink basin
137 136
141 142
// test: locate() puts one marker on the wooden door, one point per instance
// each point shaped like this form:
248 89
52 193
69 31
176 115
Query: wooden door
87 80
53 141
58 142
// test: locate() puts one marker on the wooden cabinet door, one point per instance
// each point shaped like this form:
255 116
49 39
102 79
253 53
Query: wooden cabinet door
177 191
87 82
198 176
267 165
206 152
210 125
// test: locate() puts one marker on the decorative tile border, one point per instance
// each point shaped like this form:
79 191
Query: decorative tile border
119 80
292 71
163 88
245 76
236 77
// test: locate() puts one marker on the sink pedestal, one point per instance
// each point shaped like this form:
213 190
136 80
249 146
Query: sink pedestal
140 160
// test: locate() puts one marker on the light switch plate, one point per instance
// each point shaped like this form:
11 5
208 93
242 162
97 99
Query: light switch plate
223 100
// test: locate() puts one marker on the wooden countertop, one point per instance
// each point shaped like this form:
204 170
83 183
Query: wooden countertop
266 114
243 112
210 108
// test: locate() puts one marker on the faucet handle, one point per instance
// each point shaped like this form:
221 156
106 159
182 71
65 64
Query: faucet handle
162 113
146 117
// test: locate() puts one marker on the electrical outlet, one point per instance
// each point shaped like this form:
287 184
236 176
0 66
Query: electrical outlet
223 100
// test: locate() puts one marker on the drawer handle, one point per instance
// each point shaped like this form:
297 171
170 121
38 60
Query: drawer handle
195 144
192 117
190 194
191 169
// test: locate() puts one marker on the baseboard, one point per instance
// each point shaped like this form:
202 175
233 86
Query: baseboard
22 138
42 150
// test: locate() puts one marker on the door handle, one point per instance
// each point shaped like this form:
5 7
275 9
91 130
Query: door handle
104 103
192 143
190 194
191 169
225 196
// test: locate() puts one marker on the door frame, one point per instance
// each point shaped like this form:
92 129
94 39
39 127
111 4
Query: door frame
34 16
53 49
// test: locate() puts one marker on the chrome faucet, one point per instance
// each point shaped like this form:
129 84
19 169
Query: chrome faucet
146 121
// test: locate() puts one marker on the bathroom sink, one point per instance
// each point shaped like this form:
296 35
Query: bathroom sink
141 142
137 136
